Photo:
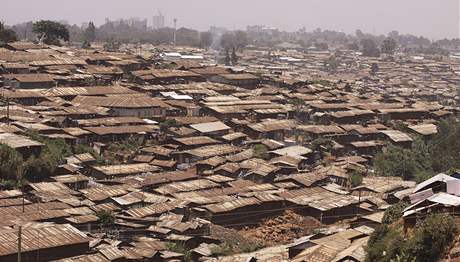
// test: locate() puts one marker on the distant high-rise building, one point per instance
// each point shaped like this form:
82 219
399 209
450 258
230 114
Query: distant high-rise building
158 21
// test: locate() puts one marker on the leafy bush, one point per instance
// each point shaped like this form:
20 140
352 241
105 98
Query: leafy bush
405 163
53 154
394 212
322 144
432 238
105 217
260 151
430 241
356 178
11 163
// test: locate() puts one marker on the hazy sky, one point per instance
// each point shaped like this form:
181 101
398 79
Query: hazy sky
431 18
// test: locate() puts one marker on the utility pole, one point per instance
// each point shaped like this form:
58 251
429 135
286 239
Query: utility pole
19 243
175 30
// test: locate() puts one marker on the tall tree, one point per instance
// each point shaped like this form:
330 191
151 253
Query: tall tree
90 32
331 64
50 32
11 163
369 48
205 39
388 46
7 35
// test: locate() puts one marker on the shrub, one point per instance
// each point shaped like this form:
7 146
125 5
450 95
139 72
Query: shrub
394 212
260 151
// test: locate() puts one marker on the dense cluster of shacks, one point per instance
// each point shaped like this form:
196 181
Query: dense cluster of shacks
204 169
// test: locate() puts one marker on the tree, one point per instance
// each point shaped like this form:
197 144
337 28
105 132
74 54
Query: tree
90 33
112 45
11 163
52 155
50 32
106 218
165 125
331 64
241 40
234 40
388 46
205 39
7 35
409 164
227 57
432 238
369 48
356 178
234 57
374 68
353 46
394 212
260 151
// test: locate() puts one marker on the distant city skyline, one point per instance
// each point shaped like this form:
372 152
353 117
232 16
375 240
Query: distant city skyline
429 18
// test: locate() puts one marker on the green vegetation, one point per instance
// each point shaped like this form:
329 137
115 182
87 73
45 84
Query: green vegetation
50 32
14 167
356 178
11 163
322 144
7 35
423 159
53 154
331 64
181 249
394 212
260 151
389 46
428 243
6 184
105 217
168 124
369 48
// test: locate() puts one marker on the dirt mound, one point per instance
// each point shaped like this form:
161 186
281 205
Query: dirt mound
282 229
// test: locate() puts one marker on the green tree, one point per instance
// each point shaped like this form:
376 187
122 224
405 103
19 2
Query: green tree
165 125
432 238
331 64
227 57
369 48
234 40
322 144
405 163
7 35
106 218
389 46
429 242
90 32
394 212
356 178
50 32
260 151
52 155
384 244
11 163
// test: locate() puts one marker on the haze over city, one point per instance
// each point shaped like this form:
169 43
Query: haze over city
428 18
